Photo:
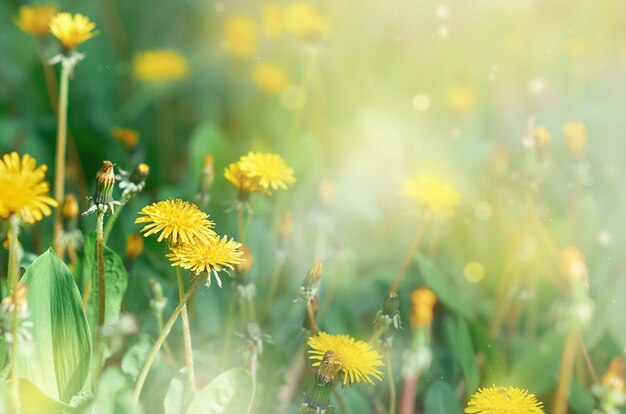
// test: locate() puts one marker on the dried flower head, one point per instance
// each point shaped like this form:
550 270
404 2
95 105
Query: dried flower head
35 19
160 66
505 400
211 256
23 191
357 360
239 36
177 221
269 77
71 30
432 193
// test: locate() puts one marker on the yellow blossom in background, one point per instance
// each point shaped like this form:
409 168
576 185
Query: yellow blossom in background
461 99
272 17
177 221
575 134
423 301
23 191
238 177
573 266
70 207
239 36
127 136
248 259
269 169
432 193
134 246
160 66
211 256
269 77
503 400
303 20
542 137
71 30
35 19
358 360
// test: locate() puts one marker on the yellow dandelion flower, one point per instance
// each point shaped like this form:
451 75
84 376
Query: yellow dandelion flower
432 193
23 191
270 169
461 99
127 136
239 36
35 19
303 20
359 361
272 17
269 77
71 30
134 246
503 400
211 256
575 134
177 221
160 66
238 177
542 137
423 301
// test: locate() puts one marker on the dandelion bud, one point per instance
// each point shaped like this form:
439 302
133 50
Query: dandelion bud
134 246
542 138
308 290
206 181
8 308
70 207
389 314
611 392
102 198
134 182
128 137
575 134
423 301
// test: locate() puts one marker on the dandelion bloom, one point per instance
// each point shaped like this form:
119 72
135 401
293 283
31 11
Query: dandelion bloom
359 361
71 30
35 19
160 66
239 36
542 137
128 137
238 177
461 99
270 169
575 134
177 221
272 17
432 193
269 77
23 191
211 256
423 301
134 246
303 20
503 400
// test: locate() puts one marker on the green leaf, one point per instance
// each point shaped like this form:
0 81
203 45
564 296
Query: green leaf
115 279
174 401
580 400
454 297
57 360
440 399
136 356
34 401
113 396
465 353
230 392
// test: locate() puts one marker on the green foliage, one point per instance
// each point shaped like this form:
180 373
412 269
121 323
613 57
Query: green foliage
440 399
57 361
229 393
113 395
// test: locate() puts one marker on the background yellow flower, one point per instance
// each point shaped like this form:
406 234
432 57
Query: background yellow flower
35 19
160 65
269 77
239 36
432 193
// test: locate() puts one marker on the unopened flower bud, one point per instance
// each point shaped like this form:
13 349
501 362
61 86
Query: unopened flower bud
70 207
134 246
102 199
308 290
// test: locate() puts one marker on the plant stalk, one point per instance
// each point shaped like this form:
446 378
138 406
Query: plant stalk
191 373
100 254
14 279
410 251
59 171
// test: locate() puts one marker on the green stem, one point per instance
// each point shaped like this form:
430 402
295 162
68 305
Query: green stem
14 278
392 384
273 286
191 373
111 222
59 171
230 322
161 339
100 253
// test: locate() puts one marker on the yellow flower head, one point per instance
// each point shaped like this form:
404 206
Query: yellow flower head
35 19
178 221
134 246
461 99
128 137
239 36
575 134
503 400
211 256
573 266
160 66
432 193
238 177
269 77
23 191
359 361
303 20
272 20
542 137
423 301
269 169
71 30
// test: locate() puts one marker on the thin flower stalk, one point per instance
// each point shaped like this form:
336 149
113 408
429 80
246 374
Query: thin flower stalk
191 373
14 227
100 253
410 252
59 171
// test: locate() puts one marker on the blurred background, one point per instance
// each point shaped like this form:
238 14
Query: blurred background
519 105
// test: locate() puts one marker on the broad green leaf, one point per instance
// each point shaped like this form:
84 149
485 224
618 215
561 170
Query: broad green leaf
454 297
136 356
57 360
113 395
174 401
440 399
115 278
465 353
580 400
34 401
230 392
